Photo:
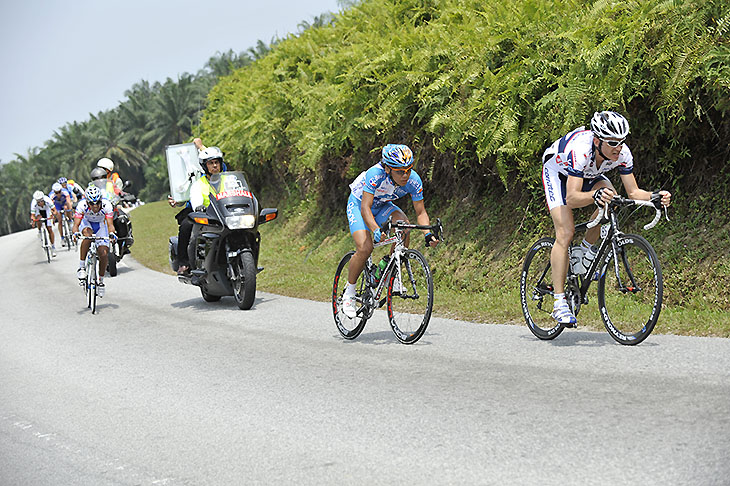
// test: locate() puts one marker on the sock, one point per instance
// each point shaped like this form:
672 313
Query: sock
81 264
559 297
350 289
101 279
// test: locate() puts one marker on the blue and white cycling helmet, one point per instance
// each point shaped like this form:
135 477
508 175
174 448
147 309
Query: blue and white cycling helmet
62 180
609 124
93 194
397 156
56 187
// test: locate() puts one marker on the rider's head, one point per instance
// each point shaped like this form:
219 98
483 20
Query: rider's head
62 181
610 130
398 161
57 187
97 173
211 160
93 196
106 164
38 196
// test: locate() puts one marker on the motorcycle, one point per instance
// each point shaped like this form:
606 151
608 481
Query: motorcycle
224 246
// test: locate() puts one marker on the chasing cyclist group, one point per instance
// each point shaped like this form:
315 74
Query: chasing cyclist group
92 213
573 175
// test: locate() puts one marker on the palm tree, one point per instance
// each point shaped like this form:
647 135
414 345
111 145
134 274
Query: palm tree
174 110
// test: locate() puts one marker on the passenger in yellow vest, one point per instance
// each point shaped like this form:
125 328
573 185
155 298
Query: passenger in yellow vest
107 188
211 160
107 164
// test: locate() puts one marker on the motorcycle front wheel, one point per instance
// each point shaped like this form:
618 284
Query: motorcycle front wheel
244 284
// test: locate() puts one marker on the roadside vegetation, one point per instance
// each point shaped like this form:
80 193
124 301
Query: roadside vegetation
478 89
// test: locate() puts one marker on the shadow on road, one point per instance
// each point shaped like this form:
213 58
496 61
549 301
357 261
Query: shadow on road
225 302
584 338
380 338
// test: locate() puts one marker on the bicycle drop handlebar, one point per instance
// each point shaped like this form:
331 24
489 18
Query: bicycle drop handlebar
619 201
436 228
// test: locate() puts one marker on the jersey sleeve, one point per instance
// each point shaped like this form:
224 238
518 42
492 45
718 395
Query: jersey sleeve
415 186
373 177
107 206
626 160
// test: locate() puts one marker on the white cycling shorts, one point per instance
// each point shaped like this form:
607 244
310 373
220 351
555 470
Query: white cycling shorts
555 185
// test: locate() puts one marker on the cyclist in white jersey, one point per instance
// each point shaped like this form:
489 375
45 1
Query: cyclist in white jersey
572 174
94 216
371 204
42 207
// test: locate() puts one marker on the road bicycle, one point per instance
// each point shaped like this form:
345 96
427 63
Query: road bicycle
627 271
91 282
406 280
67 237
44 237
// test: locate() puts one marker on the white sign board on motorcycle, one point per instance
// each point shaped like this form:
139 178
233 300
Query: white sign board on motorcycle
182 169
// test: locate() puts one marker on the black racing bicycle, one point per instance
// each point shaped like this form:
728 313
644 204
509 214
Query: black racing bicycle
406 280
627 271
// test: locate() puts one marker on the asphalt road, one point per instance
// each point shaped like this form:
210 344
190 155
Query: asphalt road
162 388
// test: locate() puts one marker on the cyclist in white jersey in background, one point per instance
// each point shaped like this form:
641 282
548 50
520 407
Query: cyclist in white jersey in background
94 217
572 173
371 204
42 207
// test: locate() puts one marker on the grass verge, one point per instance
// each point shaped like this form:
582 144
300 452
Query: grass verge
300 259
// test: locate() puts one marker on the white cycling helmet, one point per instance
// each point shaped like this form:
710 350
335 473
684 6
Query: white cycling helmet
105 163
38 196
609 124
56 187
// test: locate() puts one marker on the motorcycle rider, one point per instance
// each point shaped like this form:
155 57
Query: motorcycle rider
211 161
94 217
42 207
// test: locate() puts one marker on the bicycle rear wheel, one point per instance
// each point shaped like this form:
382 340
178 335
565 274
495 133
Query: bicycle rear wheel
536 291
350 328
410 297
631 301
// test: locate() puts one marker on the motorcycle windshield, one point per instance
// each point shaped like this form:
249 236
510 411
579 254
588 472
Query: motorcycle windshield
105 188
230 190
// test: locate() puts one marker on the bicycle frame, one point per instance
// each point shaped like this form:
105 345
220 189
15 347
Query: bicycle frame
608 215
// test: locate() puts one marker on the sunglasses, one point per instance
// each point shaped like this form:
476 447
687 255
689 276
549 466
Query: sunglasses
402 169
614 143
97 203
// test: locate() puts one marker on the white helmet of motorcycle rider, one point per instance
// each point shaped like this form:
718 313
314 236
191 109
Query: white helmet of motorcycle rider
210 153
106 164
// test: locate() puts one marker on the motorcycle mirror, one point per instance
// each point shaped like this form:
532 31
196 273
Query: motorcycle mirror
268 214
127 184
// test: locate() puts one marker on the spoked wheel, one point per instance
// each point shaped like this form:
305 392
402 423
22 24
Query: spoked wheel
410 297
244 285
350 328
46 243
91 283
536 291
630 303
67 235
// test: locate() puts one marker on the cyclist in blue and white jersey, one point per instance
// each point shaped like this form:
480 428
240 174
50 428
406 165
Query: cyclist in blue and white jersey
42 207
573 177
62 202
94 217
73 191
371 203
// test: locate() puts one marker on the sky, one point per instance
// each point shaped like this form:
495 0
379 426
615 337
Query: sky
64 59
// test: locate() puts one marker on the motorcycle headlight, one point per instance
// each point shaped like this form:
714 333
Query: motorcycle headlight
241 222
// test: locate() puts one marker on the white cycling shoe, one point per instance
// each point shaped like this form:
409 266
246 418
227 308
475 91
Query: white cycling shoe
81 274
563 314
349 306
100 289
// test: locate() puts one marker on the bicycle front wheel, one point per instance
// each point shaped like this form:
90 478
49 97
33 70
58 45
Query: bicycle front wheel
536 291
630 290
46 243
410 297
349 328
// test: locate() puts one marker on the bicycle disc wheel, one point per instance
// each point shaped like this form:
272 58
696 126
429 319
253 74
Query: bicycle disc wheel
349 328
536 291
410 297
630 303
